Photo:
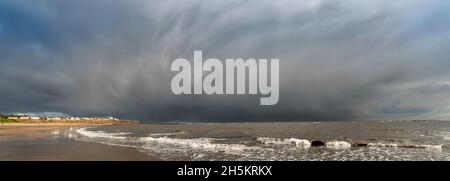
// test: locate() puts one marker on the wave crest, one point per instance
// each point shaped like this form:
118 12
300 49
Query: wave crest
101 134
301 143
338 145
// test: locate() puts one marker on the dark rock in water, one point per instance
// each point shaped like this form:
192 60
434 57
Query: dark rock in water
410 146
317 143
359 144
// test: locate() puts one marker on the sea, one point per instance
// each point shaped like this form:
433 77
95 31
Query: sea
291 141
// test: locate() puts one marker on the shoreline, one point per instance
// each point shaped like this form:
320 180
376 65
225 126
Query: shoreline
38 142
54 124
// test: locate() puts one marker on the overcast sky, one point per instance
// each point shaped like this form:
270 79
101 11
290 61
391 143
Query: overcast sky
339 59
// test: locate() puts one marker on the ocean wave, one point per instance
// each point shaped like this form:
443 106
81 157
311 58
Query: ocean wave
302 143
428 147
167 134
389 145
101 134
202 144
445 135
338 144
393 145
433 147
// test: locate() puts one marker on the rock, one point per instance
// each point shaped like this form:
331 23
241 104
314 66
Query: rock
359 144
410 146
317 143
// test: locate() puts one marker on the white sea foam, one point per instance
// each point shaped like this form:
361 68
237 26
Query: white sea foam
429 147
390 145
445 135
302 143
167 134
338 144
101 134
200 144
393 145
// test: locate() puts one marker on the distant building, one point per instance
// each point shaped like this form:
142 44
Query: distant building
97 118
24 117
54 118
113 118
74 118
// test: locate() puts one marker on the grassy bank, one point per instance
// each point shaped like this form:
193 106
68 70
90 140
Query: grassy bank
4 120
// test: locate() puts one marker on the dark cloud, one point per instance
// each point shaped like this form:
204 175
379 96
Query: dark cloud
339 60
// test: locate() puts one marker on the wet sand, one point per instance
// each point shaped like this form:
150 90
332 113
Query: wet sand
38 142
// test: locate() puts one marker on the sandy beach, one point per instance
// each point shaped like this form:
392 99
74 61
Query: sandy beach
39 142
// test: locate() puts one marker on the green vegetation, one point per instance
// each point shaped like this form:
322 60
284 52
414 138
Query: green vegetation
4 120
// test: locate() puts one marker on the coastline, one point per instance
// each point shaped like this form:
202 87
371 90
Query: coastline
37 142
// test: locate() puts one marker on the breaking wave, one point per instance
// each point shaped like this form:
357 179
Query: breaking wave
392 145
101 134
167 134
338 144
202 144
302 143
389 145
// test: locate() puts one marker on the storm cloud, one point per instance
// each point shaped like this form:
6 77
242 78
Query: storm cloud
339 59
